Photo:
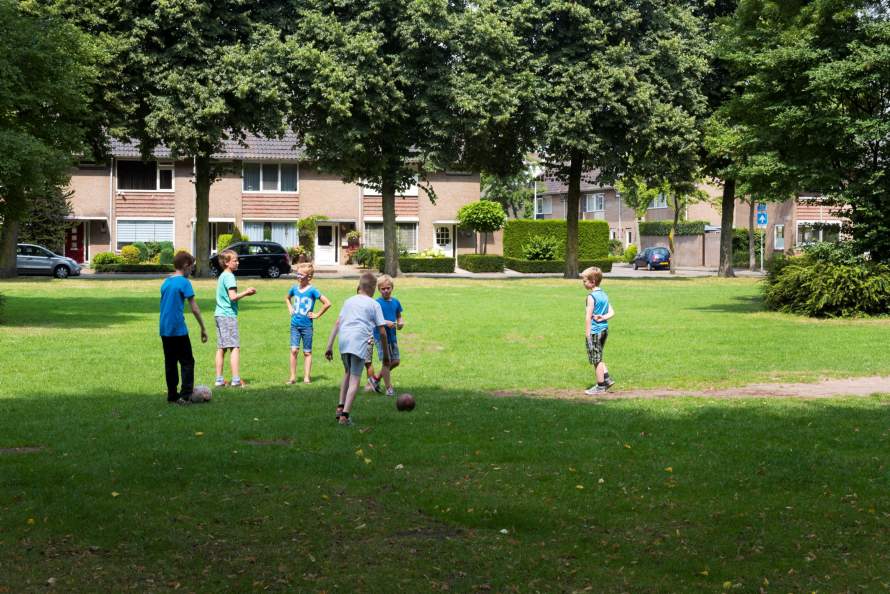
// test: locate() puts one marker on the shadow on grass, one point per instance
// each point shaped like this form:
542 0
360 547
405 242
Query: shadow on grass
67 311
737 304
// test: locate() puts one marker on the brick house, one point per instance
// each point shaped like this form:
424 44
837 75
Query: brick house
796 222
268 187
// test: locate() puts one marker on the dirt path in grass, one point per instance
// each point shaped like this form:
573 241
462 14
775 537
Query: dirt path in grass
829 388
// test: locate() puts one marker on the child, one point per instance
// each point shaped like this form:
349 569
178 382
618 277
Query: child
392 311
596 328
358 319
174 333
226 315
301 303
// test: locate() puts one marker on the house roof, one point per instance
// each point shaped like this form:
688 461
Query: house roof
254 147
556 186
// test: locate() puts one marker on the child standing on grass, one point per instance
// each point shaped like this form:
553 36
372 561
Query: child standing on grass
358 319
301 303
175 290
226 314
392 312
596 328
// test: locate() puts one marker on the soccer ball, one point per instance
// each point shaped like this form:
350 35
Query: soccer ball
201 394
405 402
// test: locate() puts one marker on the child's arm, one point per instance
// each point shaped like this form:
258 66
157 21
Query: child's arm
239 296
384 344
588 316
290 306
607 315
325 305
399 322
197 311
329 352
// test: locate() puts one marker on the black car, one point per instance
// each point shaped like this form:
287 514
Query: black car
263 258
653 258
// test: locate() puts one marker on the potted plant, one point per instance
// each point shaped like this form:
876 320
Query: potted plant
353 238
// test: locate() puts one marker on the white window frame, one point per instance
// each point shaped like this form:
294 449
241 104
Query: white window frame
118 220
599 202
278 189
822 225
159 166
544 205
659 201
366 235
779 237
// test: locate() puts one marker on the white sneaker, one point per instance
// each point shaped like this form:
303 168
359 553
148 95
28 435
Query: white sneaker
595 389
390 391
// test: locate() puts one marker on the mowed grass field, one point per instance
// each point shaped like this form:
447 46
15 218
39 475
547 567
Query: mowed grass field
106 488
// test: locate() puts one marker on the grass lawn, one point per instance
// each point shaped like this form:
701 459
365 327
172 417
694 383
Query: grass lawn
261 491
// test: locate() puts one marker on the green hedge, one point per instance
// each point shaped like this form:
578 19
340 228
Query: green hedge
481 263
593 237
537 266
827 290
134 268
409 264
663 228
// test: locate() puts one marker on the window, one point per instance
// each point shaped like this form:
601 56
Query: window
406 232
443 236
779 237
544 206
132 231
144 176
270 177
284 233
594 202
816 232
628 236
374 235
659 201
256 250
613 234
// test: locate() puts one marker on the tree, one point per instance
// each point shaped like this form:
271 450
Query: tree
187 75
815 99
515 193
387 90
621 92
46 68
48 219
483 217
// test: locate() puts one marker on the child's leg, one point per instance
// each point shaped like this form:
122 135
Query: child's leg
171 370
235 363
307 366
601 373
187 362
293 363
351 389
344 387
220 361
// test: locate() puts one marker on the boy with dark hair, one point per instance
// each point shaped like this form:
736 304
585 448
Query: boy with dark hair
596 328
175 290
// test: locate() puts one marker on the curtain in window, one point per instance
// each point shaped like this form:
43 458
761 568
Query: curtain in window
407 236
253 231
288 178
270 178
136 175
374 235
251 177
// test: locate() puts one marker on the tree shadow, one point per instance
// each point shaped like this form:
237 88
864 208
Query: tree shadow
737 304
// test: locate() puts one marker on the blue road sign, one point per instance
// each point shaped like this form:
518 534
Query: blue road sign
761 219
761 207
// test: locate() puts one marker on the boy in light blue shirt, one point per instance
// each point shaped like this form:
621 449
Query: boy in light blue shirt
226 317
392 312
301 303
175 290
596 328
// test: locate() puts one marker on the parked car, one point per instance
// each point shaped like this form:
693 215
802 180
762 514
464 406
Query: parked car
35 259
653 258
264 258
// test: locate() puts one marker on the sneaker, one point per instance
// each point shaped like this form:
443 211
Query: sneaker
179 402
221 384
390 392
609 383
375 383
595 389
241 384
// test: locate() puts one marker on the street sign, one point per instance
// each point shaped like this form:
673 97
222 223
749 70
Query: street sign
761 207
761 219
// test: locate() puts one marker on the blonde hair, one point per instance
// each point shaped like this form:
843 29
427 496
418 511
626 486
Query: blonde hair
226 256
592 274
306 268
367 283
383 279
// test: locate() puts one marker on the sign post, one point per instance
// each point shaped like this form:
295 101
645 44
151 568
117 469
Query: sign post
762 220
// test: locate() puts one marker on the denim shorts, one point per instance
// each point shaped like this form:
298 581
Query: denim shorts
393 350
304 333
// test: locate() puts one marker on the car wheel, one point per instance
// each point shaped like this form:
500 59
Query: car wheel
635 266
651 267
273 271
61 271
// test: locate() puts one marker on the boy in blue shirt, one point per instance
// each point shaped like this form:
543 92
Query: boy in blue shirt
175 290
392 312
301 303
226 317
596 328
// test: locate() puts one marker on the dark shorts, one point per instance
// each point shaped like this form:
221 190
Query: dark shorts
353 364
298 333
595 345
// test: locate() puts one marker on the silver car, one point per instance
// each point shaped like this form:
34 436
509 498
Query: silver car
33 259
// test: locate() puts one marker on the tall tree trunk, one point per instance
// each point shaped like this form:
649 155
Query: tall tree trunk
202 213
673 233
726 220
752 260
390 232
573 203
13 212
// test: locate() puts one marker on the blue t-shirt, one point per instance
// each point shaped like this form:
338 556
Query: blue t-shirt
600 308
174 291
303 302
391 311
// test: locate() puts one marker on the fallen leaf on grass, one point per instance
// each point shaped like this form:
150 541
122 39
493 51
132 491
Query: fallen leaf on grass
360 452
669 469
31 521
367 460
115 494
627 445
579 487
504 531
400 466
199 434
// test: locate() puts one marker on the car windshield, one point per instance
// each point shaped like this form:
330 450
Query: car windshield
660 252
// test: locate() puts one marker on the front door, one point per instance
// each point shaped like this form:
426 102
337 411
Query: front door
326 244
445 239
74 242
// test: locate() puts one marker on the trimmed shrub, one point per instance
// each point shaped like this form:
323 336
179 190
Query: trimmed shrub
130 254
663 228
412 264
542 266
630 253
368 257
223 241
135 268
481 263
616 248
166 256
540 247
105 258
593 237
826 290
144 255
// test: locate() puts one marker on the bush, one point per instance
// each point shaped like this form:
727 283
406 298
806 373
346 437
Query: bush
414 264
540 247
841 252
368 257
143 251
481 263
130 254
740 247
156 247
823 289
616 248
223 241
105 258
541 266
630 253
166 255
134 268
593 237
663 228
295 252
429 253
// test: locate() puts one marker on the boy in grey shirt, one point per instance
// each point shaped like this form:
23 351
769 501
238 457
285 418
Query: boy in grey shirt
358 318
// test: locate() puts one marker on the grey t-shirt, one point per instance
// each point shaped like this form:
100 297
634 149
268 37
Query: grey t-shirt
359 316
